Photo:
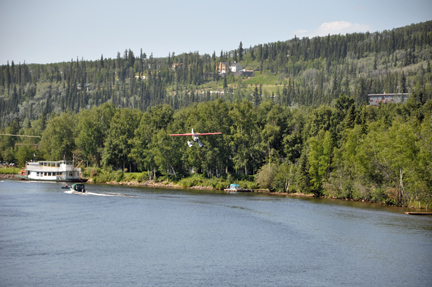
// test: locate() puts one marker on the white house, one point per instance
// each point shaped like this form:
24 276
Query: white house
235 67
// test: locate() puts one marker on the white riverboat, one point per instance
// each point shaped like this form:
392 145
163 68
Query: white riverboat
51 171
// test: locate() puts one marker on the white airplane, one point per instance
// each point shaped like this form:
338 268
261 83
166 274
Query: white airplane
195 137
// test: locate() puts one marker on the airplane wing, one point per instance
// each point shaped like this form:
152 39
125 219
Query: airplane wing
181 135
197 134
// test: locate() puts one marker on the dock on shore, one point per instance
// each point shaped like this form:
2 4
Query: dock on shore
238 190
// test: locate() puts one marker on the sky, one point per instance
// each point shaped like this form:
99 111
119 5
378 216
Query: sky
51 31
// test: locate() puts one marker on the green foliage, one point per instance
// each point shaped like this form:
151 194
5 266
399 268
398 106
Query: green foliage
265 177
200 180
9 170
119 174
58 138
285 176
25 153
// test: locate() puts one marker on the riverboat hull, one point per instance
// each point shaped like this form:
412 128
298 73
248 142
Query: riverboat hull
57 171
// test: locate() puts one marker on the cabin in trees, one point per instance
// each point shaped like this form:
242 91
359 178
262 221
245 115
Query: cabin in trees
224 67
86 86
175 66
375 99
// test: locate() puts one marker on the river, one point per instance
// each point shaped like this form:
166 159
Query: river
134 236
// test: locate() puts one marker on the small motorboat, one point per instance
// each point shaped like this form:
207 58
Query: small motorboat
78 187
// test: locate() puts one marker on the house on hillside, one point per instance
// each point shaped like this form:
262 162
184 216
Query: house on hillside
224 67
236 67
176 65
86 86
376 99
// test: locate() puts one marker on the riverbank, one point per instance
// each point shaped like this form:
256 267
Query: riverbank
126 180
8 176
168 184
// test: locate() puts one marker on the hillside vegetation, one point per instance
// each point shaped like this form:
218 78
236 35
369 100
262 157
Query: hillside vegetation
300 124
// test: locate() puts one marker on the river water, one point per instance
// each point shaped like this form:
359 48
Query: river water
129 236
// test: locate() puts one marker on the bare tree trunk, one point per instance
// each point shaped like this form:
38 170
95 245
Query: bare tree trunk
401 188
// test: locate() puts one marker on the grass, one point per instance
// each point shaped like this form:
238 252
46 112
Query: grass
264 80
100 175
9 170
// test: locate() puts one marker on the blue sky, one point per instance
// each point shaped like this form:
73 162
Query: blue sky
50 31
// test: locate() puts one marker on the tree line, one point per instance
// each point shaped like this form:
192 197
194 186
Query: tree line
308 72
348 151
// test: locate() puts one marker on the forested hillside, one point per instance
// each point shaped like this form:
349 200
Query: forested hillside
300 124
296 72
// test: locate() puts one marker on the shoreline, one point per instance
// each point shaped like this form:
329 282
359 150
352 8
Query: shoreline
8 176
171 185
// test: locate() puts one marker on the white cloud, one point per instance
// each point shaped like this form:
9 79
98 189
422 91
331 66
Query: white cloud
332 28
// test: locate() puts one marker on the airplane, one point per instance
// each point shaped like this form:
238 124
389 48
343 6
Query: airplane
195 137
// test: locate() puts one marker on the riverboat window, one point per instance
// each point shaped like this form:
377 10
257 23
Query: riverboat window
37 173
45 173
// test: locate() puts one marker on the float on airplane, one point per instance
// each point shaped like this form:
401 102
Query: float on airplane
195 137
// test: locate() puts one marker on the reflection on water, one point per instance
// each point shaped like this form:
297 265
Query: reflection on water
129 236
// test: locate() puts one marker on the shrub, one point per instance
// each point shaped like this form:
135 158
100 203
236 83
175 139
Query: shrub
377 195
93 172
264 177
142 176
221 185
119 175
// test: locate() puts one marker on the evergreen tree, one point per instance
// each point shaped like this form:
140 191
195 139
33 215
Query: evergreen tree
403 87
256 97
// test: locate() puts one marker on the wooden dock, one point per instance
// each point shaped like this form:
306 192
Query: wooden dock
418 213
228 190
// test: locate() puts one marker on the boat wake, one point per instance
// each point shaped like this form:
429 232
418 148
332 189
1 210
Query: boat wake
101 194
98 194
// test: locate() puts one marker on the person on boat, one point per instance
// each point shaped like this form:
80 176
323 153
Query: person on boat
66 185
